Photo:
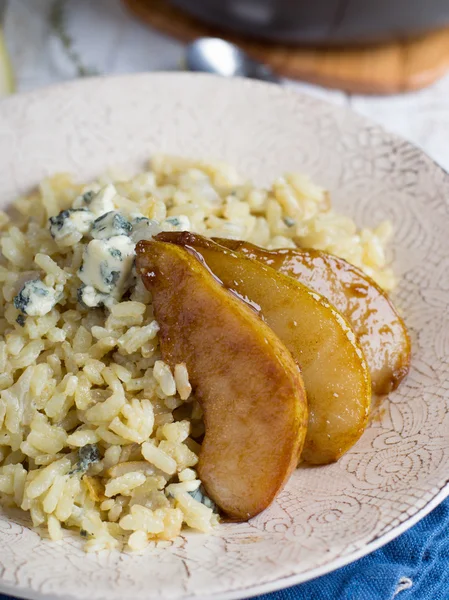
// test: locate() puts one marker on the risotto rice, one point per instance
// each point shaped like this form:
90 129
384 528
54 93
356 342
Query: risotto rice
97 433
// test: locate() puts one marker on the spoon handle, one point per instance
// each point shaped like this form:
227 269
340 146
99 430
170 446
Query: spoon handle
264 73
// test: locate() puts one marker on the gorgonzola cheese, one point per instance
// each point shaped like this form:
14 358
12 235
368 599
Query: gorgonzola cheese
92 298
97 202
87 456
178 223
107 266
35 298
84 199
200 495
109 225
68 227
145 229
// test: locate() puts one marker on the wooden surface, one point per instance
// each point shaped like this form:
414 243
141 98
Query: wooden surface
385 69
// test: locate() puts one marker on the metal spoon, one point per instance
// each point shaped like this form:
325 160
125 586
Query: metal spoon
214 55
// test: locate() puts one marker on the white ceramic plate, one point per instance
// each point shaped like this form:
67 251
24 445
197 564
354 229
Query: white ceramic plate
327 516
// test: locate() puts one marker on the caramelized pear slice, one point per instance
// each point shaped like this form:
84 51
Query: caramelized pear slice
249 386
333 367
373 318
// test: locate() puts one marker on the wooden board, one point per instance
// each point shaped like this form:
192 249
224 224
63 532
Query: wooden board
383 69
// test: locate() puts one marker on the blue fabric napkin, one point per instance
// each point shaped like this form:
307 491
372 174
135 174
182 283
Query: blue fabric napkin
415 566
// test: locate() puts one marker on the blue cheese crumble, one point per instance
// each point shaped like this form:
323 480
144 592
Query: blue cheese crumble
109 225
87 455
35 298
106 272
69 226
89 297
200 495
145 229
98 203
107 268
178 223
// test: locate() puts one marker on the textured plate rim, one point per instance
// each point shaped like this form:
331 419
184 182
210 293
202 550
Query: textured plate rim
277 584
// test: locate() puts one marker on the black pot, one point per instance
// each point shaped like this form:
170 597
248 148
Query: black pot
322 21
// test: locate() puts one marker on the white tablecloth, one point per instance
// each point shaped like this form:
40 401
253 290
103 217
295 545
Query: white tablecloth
106 39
